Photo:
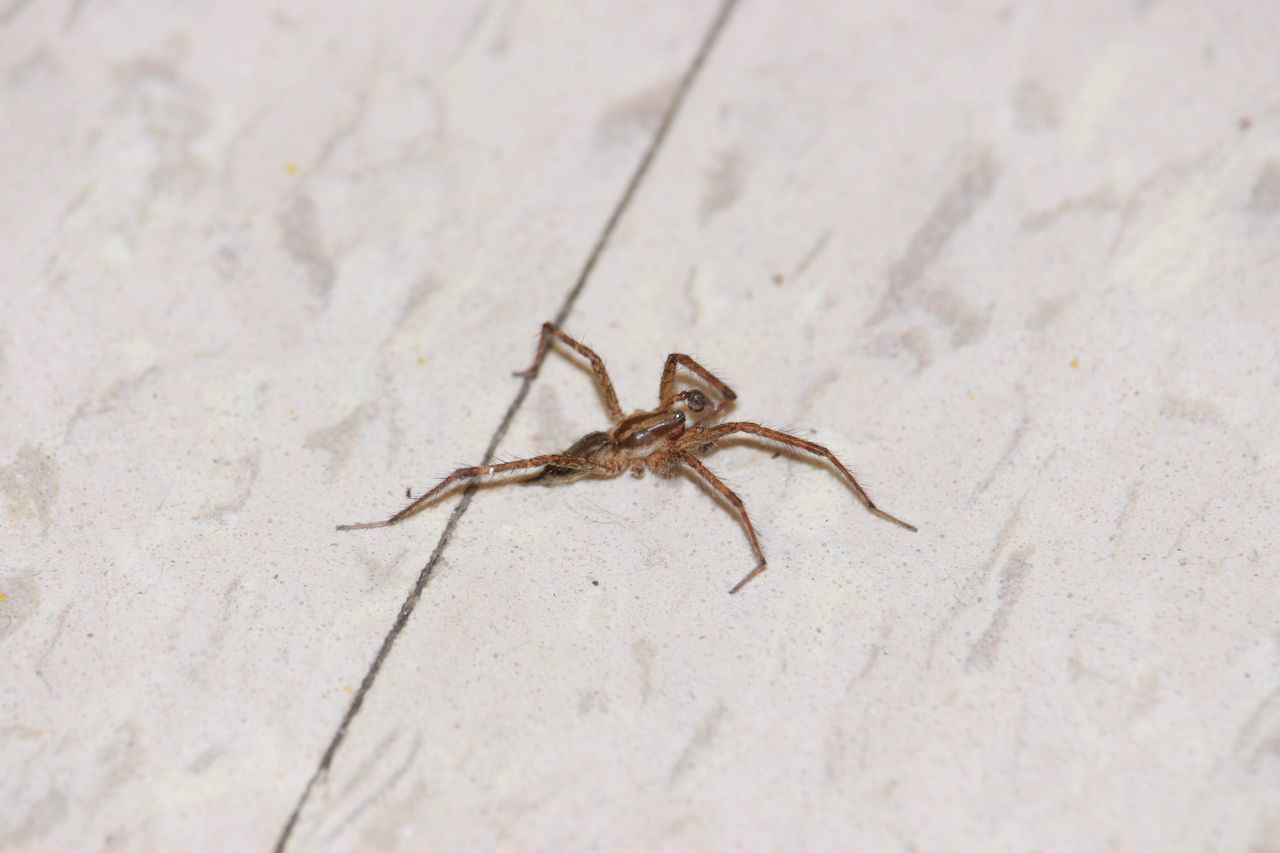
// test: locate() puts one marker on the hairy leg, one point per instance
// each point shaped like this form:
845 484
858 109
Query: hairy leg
696 439
666 389
736 502
557 459
597 366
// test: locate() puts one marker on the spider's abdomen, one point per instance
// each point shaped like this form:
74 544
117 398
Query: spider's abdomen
594 446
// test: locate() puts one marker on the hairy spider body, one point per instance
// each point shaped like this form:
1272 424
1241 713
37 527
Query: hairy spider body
592 447
661 440
630 443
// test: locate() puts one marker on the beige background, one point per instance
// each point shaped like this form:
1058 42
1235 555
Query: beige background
266 266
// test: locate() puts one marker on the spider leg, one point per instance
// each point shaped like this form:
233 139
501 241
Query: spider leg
736 502
550 330
667 386
557 459
699 438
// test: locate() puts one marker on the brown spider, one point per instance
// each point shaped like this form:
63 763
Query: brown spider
661 440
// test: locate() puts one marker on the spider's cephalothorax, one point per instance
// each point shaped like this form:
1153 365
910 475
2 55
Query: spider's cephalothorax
662 440
632 440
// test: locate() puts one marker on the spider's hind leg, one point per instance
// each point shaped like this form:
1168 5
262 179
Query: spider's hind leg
556 460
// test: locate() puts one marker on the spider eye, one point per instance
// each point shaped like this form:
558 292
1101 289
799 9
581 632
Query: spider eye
697 401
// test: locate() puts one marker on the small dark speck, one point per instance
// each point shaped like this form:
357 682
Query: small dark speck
595 583
408 492
1245 123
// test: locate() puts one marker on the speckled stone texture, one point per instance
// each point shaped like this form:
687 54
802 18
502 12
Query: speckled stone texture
265 268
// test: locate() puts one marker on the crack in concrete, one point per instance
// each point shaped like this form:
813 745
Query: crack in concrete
952 211
704 48
1012 579
702 738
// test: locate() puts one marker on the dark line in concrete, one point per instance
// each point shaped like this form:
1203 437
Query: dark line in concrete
406 609
659 136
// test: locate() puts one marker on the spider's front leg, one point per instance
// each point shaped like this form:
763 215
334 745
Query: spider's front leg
604 469
549 331
666 388
693 440
736 502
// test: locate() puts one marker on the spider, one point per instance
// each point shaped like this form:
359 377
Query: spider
661 440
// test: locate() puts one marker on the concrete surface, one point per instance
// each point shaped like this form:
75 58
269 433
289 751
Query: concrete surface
266 268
